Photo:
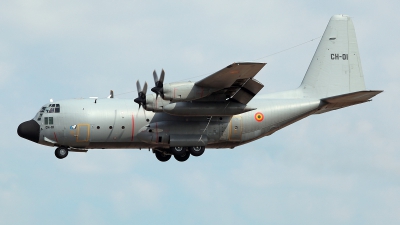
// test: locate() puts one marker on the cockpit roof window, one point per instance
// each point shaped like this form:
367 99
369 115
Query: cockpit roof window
53 108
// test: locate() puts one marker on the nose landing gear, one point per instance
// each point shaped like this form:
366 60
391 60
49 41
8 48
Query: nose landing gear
61 152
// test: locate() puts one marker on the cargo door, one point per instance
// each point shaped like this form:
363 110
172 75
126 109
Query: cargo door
236 128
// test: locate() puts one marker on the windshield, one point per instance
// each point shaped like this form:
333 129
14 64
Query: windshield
39 115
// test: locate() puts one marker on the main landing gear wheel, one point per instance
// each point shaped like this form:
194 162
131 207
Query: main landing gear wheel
61 152
161 156
197 150
182 158
178 150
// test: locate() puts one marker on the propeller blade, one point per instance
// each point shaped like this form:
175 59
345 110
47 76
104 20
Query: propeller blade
144 88
139 88
155 76
162 77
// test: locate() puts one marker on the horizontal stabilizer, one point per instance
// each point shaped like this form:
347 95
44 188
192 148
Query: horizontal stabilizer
345 100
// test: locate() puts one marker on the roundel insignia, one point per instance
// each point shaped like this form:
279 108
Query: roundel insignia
259 117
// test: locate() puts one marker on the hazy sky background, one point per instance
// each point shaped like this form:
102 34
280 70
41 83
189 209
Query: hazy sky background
341 167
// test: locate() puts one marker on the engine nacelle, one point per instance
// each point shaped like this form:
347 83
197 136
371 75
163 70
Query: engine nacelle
155 104
185 91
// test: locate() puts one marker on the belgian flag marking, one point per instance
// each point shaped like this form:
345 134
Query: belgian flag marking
259 117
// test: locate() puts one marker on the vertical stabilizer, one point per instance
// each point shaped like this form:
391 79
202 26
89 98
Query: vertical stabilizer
336 67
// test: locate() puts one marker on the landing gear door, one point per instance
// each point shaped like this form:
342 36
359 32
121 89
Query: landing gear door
82 132
236 127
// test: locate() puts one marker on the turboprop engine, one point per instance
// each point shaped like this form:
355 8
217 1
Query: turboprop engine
179 91
185 91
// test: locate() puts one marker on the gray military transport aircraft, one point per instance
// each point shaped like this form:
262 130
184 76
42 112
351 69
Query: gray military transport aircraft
219 111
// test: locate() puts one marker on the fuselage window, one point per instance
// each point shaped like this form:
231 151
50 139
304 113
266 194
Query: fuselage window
50 120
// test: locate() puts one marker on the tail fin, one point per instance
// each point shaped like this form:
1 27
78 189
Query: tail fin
336 67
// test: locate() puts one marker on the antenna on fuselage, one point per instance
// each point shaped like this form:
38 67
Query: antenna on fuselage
111 94
95 99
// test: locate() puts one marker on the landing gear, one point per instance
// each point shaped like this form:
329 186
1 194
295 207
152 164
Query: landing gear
197 150
61 152
161 156
181 154
178 150
182 157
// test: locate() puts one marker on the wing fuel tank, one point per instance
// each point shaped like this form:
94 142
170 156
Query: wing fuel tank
206 108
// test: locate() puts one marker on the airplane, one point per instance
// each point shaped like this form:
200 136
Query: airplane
183 118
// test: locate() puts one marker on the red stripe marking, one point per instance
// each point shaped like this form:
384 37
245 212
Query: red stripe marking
55 136
133 127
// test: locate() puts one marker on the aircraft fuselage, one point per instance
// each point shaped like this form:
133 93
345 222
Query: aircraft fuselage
118 123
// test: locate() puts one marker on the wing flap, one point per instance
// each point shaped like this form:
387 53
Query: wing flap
248 91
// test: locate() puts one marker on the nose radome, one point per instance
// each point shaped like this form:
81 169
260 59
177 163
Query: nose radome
29 130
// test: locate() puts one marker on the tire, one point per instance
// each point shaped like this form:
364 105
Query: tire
178 150
61 152
182 158
197 150
162 157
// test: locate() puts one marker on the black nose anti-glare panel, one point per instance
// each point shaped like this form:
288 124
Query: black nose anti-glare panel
29 130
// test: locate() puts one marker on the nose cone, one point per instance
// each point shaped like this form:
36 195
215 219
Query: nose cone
29 130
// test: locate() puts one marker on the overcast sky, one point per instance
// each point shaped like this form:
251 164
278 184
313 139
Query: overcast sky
341 167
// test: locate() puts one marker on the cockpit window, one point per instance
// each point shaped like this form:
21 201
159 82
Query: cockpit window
40 114
53 108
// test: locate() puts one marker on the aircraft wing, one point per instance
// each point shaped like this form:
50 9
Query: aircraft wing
234 81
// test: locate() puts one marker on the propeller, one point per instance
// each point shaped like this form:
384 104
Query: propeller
141 99
158 89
